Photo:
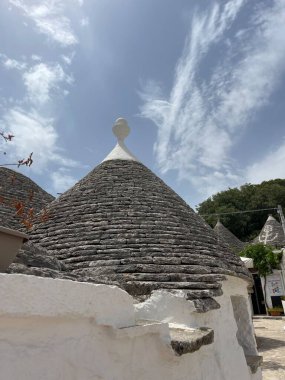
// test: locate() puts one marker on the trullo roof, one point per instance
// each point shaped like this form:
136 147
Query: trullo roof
123 225
271 234
228 237
17 188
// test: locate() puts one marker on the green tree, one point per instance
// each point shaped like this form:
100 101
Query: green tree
264 261
245 226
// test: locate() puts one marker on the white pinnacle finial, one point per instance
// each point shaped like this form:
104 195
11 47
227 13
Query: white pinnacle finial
121 130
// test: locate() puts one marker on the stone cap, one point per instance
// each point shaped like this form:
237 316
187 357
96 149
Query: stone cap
121 130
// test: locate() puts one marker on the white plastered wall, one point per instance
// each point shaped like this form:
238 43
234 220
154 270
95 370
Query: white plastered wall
229 359
58 329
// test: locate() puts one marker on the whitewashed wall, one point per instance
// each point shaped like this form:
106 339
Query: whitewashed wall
275 285
229 360
58 330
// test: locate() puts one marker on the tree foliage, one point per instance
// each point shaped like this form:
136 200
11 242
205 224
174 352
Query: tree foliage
263 256
264 261
245 226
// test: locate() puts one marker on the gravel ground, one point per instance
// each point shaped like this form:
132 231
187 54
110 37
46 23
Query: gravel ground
270 337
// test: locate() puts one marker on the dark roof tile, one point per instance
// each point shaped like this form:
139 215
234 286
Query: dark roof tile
228 237
15 187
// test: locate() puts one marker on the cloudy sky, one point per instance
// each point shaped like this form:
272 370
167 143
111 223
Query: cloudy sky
201 83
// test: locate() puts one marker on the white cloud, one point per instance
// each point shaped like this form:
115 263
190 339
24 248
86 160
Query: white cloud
201 119
33 133
32 119
42 79
84 21
269 167
36 57
68 58
10 63
14 64
62 181
49 18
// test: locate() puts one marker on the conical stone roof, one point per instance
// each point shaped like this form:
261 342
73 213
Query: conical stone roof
271 234
123 225
15 188
228 237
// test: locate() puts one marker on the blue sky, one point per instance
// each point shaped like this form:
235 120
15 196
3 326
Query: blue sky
201 83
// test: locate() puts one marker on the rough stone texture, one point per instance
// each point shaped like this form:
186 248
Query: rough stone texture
272 234
228 237
15 187
123 225
244 332
37 261
202 306
184 341
254 362
34 256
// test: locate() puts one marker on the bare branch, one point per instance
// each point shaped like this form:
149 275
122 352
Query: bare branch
6 137
28 161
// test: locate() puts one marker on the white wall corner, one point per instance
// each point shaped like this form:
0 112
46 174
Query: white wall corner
28 296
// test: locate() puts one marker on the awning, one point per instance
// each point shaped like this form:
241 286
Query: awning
248 262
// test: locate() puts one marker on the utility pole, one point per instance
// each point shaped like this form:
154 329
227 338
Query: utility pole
280 212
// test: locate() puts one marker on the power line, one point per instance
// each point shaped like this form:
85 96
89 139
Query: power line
240 212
